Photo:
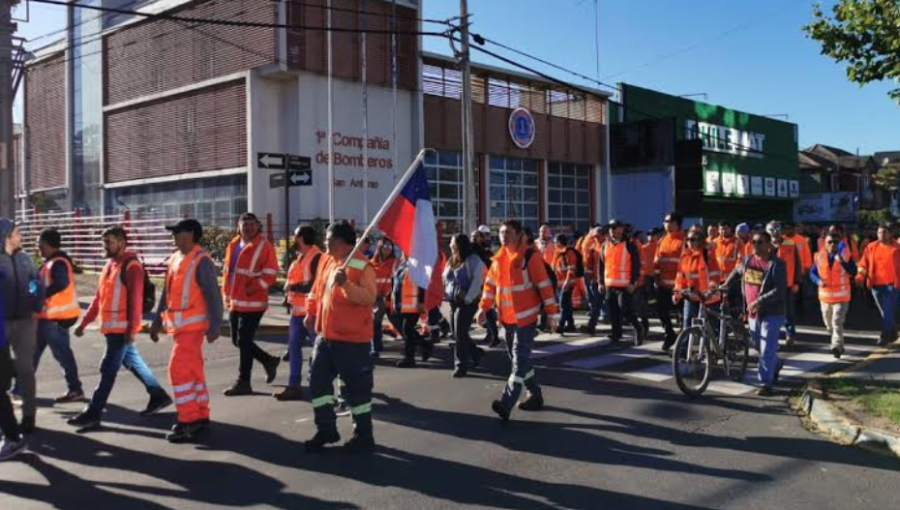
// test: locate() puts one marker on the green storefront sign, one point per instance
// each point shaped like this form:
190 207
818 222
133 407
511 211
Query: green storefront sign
750 162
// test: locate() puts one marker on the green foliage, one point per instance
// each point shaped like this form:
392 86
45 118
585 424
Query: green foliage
872 218
888 178
864 34
215 241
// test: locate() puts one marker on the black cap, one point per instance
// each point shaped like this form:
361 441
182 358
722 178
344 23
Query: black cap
187 226
615 224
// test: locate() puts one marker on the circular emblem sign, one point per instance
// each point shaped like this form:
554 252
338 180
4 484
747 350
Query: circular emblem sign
521 128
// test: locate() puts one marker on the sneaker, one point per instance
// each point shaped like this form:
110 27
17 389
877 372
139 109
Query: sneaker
272 369
341 408
9 449
501 410
407 363
764 391
289 393
27 426
70 396
157 404
185 432
239 388
836 352
460 372
84 422
360 444
532 403
320 440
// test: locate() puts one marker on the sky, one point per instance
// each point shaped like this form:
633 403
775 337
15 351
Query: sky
749 55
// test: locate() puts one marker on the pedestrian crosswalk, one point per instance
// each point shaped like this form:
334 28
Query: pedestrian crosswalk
648 363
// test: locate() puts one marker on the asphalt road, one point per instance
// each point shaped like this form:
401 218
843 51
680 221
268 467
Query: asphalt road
605 441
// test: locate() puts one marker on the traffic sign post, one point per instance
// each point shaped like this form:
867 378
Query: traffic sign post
296 171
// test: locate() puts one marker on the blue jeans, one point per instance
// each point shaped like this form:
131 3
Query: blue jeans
791 309
764 334
886 299
691 309
593 293
51 334
298 337
117 355
519 341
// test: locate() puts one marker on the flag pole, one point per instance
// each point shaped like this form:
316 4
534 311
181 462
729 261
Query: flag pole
384 207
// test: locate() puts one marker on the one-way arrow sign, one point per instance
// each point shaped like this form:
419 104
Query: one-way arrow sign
270 161
301 178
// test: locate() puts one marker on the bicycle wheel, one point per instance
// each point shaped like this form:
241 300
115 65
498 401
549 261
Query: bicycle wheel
738 352
691 361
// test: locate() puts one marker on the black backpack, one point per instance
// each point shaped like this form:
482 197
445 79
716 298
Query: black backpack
149 287
550 272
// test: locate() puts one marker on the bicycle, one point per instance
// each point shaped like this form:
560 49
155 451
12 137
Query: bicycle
700 347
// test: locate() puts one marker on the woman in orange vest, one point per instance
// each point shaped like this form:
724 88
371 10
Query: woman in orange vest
119 303
698 273
250 269
191 309
564 265
60 312
345 293
833 274
300 277
385 264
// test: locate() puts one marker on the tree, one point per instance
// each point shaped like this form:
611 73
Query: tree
888 177
866 35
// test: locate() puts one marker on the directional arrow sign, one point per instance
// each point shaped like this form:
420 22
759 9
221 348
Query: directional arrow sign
270 161
300 178
298 162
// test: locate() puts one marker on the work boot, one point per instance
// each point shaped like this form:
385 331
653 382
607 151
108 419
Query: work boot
669 341
185 432
70 396
764 391
588 330
460 372
360 444
84 421
570 329
289 393
239 388
156 404
320 440
534 402
837 352
27 426
407 363
501 410
272 369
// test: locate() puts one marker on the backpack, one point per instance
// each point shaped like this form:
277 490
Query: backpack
149 300
550 272
579 264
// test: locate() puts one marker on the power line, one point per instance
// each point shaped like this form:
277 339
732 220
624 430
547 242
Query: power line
232 23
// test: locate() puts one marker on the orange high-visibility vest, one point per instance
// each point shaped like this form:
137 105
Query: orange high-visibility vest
564 265
410 299
186 309
787 252
338 318
616 265
668 257
64 304
257 263
802 244
523 290
301 273
384 274
696 273
728 251
548 251
648 252
114 296
835 286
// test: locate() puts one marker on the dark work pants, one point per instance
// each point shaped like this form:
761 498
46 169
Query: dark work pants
378 312
352 363
411 337
461 321
8 424
243 330
621 309
490 324
567 317
664 310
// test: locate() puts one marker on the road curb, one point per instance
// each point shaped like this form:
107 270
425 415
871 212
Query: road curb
831 421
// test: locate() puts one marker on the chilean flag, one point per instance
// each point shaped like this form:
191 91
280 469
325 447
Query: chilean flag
409 222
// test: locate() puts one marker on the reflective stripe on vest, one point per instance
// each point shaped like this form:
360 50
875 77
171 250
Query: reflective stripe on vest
617 271
832 291
181 316
114 308
64 304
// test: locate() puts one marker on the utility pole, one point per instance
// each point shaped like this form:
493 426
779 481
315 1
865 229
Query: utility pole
470 200
7 28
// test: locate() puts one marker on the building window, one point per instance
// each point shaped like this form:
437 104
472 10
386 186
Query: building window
514 191
569 196
445 180
87 106
214 201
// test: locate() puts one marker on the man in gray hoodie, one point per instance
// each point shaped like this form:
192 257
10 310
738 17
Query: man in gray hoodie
23 295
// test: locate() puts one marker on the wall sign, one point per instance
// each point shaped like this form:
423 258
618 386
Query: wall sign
521 128
756 186
713 183
727 183
782 188
726 140
770 187
794 187
743 185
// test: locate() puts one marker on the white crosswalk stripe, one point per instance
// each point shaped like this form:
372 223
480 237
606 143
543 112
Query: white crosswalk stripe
566 347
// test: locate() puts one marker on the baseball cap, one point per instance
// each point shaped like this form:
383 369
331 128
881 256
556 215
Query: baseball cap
773 227
743 228
188 225
615 224
484 229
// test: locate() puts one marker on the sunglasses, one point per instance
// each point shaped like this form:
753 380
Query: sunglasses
831 241
694 239
759 242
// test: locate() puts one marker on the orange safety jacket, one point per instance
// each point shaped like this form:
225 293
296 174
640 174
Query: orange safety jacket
802 244
589 251
186 310
617 266
548 251
835 286
648 253
564 265
384 274
698 271
729 250
114 296
64 304
300 277
412 297
788 252
247 289
668 258
523 289
345 313
880 265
